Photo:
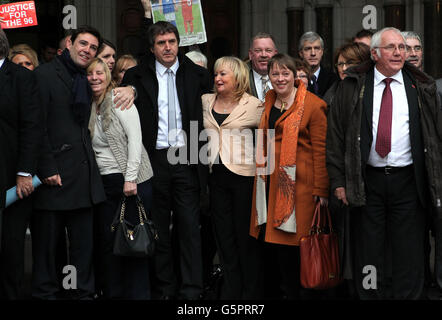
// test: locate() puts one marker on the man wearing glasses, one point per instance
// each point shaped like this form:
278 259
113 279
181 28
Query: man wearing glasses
414 49
388 172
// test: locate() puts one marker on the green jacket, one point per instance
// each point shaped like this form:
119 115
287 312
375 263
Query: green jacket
345 164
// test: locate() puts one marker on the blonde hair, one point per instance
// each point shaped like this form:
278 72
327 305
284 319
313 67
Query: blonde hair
121 64
110 84
240 72
25 50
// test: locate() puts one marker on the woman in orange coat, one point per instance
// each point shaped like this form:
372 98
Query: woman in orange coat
284 197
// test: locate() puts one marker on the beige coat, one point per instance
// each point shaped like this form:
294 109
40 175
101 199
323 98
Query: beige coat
233 140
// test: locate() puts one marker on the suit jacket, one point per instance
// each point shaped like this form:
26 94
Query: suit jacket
20 127
236 153
192 81
349 137
439 89
414 127
67 148
252 80
325 80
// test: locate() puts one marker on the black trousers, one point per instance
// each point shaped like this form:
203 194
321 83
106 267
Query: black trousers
16 219
393 208
120 277
438 251
176 188
231 205
46 230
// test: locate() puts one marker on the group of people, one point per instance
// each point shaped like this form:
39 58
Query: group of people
258 145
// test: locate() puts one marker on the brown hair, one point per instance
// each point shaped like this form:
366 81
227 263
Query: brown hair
354 51
283 60
303 65
25 50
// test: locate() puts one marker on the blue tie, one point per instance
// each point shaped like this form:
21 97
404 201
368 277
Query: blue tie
172 108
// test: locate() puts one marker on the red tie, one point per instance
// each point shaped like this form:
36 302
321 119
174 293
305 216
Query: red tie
383 138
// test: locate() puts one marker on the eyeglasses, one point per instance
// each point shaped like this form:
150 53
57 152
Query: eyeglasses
415 48
301 76
349 63
391 48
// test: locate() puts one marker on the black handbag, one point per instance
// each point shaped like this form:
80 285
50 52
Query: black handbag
130 240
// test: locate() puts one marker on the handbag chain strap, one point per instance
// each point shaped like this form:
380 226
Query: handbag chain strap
141 211
123 209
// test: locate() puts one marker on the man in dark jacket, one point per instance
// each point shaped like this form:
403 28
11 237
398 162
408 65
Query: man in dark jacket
169 88
311 49
67 167
385 170
20 136
262 49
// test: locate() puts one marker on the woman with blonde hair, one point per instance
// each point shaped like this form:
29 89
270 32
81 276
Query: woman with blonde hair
24 55
125 170
124 63
230 116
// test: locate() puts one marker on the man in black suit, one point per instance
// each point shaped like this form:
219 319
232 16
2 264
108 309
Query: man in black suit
169 87
20 136
67 167
386 170
311 49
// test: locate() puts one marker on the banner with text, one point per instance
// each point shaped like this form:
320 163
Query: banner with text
18 15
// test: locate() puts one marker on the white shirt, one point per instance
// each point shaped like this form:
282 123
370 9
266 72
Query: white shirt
400 154
258 84
163 107
1 62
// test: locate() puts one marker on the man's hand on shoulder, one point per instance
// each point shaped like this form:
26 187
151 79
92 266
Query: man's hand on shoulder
124 97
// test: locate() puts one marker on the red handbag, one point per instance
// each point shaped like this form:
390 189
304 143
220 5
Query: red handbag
320 254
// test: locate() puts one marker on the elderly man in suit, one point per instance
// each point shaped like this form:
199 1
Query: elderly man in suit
72 183
262 48
311 49
20 136
169 87
389 172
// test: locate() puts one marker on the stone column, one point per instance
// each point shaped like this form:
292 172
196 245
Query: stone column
394 14
324 23
295 25
99 14
433 37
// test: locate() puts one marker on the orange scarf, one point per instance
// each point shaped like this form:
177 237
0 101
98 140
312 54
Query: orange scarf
286 170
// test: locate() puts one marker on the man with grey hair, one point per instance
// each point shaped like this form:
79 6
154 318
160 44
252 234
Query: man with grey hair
388 172
20 136
198 58
414 49
262 49
311 49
